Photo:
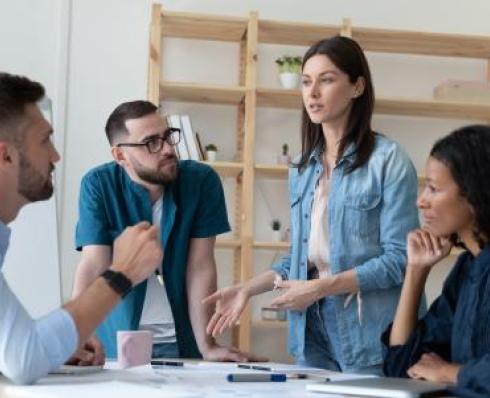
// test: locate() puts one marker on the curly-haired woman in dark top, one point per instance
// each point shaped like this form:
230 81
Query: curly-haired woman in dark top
451 344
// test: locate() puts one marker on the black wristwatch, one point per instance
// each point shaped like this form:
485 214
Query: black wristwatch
118 282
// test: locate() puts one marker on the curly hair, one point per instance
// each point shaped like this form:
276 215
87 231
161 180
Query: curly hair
466 153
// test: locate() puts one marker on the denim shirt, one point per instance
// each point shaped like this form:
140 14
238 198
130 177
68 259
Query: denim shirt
457 328
370 212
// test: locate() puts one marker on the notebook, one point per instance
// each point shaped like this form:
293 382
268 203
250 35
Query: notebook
379 387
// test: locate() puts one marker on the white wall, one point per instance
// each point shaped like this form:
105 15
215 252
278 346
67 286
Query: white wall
108 65
30 44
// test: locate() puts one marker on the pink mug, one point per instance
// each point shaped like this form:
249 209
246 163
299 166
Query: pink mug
134 347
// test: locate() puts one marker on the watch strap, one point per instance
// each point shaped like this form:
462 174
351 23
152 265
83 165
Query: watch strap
118 282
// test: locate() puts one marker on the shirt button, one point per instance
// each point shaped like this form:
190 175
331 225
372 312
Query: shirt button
306 215
305 240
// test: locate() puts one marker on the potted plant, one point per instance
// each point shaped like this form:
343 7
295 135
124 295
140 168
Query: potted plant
289 71
276 230
284 158
211 151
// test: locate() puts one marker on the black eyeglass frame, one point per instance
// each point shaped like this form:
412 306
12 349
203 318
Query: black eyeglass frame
165 137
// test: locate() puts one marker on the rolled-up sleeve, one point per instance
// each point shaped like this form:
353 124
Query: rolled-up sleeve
30 348
431 334
399 215
92 226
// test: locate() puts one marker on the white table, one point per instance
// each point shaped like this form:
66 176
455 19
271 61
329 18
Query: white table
191 381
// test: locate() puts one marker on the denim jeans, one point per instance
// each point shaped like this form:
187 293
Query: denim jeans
322 343
165 350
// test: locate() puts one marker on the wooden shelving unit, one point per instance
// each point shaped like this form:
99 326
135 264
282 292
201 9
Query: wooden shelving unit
278 246
251 31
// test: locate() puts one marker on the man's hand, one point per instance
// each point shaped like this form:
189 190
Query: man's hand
218 353
432 367
299 294
137 253
91 353
230 303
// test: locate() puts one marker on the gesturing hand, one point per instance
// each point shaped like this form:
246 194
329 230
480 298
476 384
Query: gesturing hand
299 295
230 303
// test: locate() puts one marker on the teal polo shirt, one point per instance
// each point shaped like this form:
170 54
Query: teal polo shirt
193 207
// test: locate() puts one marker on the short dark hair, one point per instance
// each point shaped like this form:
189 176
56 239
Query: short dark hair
116 123
347 55
15 93
466 152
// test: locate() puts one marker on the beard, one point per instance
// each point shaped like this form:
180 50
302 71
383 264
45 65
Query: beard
165 172
33 186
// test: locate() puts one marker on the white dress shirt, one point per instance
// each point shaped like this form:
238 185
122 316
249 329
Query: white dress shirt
30 348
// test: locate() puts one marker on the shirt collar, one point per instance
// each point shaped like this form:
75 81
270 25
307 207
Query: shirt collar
4 241
349 154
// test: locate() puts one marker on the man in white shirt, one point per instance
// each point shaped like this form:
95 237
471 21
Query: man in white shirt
30 348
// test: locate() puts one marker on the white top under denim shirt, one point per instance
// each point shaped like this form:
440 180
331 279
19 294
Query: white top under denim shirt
30 348
370 212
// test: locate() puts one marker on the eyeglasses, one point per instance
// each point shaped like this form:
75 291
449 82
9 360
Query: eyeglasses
155 144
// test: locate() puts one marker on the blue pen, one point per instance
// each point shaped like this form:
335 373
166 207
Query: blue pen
255 377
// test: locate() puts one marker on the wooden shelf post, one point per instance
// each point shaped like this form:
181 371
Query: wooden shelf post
155 52
247 211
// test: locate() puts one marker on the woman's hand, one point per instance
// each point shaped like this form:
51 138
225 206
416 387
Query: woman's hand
425 249
432 367
299 295
230 303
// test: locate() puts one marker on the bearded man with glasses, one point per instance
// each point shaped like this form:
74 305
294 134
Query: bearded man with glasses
184 199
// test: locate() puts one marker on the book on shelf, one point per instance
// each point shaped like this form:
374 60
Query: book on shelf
190 138
181 148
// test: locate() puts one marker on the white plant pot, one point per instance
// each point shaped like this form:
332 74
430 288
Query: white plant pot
283 159
289 80
211 156
276 235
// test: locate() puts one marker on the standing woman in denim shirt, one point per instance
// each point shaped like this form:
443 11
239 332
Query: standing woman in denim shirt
352 195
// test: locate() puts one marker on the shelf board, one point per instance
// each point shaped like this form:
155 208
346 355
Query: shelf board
432 108
275 171
294 33
228 28
192 92
279 246
269 324
281 98
203 27
378 40
423 43
228 243
226 169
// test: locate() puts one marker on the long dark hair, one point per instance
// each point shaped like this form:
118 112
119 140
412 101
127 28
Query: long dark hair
348 56
466 153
